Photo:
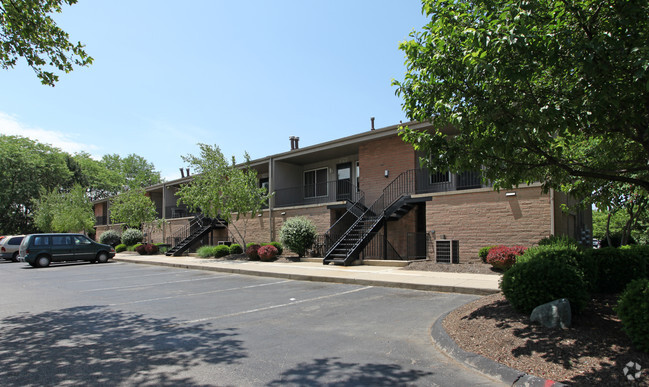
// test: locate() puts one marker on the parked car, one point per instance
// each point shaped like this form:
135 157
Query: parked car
9 246
39 250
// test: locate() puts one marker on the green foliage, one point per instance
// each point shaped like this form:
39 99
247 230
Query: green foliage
558 240
99 180
27 169
222 189
568 254
69 211
132 236
616 240
28 30
617 267
205 251
132 208
298 234
484 251
278 246
110 237
537 281
633 310
221 251
555 84
134 171
119 248
251 244
235 248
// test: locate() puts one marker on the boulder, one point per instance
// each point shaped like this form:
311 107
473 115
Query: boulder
553 314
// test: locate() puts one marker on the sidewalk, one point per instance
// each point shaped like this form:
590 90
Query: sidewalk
389 276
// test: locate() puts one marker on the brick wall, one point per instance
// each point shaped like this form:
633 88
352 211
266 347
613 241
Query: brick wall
484 217
375 157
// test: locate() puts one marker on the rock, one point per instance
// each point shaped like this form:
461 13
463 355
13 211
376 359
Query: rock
553 314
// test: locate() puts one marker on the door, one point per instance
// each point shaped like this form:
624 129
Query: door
62 248
84 249
343 181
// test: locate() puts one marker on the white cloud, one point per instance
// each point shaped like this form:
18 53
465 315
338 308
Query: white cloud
10 125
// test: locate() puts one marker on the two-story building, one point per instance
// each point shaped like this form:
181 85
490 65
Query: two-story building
370 199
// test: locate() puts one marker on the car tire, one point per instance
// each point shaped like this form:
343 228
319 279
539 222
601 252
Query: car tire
43 261
102 258
14 258
33 264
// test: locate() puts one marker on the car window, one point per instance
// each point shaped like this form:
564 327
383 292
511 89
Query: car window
40 240
15 241
61 240
81 240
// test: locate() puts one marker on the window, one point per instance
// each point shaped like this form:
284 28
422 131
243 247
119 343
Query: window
440 177
315 183
41 241
61 241
80 240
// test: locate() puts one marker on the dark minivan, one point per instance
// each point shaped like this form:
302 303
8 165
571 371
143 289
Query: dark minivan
39 250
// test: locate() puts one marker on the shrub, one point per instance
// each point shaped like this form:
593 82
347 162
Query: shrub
618 267
251 252
298 234
110 237
236 249
252 244
221 251
119 248
484 251
633 310
503 257
278 246
132 236
151 249
205 251
141 249
534 282
267 253
133 248
616 240
558 240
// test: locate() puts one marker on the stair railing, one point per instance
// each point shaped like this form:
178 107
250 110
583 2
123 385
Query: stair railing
180 235
355 209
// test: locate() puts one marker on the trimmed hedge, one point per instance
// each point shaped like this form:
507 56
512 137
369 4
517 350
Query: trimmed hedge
110 237
633 310
221 251
484 252
616 268
236 249
119 248
205 251
562 240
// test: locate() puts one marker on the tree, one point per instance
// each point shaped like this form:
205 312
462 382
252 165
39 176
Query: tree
64 211
27 30
556 92
223 190
27 168
133 208
134 170
101 182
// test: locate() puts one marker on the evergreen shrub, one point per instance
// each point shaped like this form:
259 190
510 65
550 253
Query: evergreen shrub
298 234
110 237
221 251
132 236
484 251
205 251
119 248
236 249
633 310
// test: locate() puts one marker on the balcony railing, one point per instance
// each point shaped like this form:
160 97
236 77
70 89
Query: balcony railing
326 192
181 211
427 182
101 220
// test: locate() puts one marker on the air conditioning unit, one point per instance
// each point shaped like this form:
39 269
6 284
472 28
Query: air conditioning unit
447 251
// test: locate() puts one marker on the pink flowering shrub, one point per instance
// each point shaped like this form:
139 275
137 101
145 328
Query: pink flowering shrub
252 252
267 253
503 257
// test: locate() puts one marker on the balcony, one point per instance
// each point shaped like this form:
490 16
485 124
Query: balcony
327 192
101 220
181 211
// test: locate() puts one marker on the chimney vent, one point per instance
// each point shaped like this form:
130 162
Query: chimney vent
372 120
187 172
182 172
292 138
297 140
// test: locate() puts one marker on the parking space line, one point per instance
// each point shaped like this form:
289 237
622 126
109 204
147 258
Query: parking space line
273 306
155 284
135 276
199 293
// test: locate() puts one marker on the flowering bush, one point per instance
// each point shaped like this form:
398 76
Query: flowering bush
151 249
141 249
251 252
503 257
267 253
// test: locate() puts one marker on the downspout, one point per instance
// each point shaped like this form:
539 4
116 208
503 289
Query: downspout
164 213
271 201
552 210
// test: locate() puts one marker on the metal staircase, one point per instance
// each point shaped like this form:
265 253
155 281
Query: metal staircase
346 246
194 231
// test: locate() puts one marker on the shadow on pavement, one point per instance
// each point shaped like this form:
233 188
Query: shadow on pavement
98 345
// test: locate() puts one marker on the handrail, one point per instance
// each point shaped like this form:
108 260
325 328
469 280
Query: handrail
339 227
196 222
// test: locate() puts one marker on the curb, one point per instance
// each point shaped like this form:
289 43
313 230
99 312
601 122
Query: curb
482 364
318 278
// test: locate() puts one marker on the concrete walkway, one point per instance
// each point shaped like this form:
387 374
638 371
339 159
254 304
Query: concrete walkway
368 275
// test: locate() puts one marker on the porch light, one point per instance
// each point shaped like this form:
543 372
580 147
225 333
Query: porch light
283 213
387 173
510 194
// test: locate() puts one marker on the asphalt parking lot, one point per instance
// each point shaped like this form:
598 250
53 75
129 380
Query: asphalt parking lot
127 324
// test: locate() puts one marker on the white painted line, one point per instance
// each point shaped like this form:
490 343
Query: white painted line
155 284
199 294
135 276
273 306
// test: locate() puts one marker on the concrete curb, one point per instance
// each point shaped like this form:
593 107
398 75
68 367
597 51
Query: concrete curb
482 364
318 278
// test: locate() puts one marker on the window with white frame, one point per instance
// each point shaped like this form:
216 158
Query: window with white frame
315 183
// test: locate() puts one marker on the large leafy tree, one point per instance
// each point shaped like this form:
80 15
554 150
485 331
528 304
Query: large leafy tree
99 180
69 211
27 30
223 190
550 91
133 208
135 171
26 169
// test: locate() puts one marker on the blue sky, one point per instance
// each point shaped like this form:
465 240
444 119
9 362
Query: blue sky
242 75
